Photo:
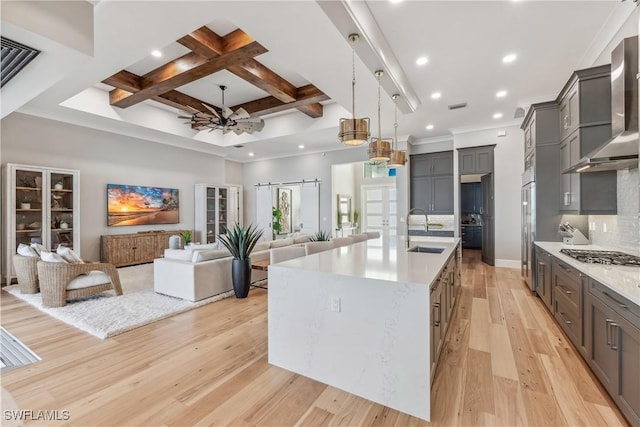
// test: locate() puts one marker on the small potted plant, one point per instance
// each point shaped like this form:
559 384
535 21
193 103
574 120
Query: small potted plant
25 202
240 242
21 221
59 185
356 217
320 236
186 236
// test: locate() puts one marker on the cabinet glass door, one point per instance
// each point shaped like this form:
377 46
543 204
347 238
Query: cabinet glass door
223 200
29 207
211 215
380 210
62 210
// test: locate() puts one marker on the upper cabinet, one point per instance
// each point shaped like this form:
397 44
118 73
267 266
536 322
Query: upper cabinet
476 160
431 187
585 124
43 207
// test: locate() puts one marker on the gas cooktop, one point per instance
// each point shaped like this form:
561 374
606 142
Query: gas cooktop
603 257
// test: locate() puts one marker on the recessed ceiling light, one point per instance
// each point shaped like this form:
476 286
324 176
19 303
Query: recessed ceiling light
251 154
429 127
509 58
497 116
422 60
301 146
501 93
156 53
436 95
395 1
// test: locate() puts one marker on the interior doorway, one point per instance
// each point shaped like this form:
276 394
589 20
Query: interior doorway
477 214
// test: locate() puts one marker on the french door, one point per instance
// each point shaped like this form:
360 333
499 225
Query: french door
379 209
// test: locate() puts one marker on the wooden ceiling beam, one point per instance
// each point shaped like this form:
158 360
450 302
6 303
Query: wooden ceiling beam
187 69
208 44
312 110
308 94
125 80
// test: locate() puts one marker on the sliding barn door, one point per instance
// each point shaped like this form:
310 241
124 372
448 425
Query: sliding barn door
263 211
310 207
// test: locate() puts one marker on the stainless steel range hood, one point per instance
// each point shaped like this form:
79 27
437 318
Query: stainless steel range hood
621 151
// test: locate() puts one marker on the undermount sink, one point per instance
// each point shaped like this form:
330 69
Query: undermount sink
426 249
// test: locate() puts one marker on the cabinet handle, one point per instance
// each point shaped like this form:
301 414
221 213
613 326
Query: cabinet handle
566 122
568 322
615 300
614 343
567 198
608 334
436 322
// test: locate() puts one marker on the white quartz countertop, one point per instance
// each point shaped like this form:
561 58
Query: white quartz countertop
381 260
623 280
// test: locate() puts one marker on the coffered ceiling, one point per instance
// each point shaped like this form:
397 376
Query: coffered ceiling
290 63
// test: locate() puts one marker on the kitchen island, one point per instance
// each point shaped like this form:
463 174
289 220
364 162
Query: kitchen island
362 318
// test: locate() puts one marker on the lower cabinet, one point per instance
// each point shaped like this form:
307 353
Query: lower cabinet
138 248
471 237
568 297
613 335
437 334
544 277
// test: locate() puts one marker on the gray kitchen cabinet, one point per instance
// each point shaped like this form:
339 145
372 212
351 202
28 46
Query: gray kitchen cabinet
614 346
475 160
471 198
585 100
437 333
567 301
431 182
544 277
586 193
471 236
430 164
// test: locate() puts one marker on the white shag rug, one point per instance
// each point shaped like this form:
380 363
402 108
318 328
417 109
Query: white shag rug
106 315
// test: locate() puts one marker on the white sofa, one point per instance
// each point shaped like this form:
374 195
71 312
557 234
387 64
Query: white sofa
202 271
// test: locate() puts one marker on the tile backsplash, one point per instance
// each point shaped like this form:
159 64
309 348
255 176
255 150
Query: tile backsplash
622 230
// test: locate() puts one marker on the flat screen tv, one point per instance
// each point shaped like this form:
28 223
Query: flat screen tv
135 205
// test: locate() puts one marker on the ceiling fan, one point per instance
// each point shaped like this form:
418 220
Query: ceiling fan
223 117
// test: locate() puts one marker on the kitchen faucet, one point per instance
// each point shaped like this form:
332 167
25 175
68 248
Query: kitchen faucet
426 221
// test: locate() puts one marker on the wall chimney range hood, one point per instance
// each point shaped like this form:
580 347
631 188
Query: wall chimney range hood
621 151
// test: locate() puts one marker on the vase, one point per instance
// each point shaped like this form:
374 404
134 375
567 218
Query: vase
58 186
25 205
241 276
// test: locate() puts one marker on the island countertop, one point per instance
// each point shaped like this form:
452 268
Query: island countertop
382 260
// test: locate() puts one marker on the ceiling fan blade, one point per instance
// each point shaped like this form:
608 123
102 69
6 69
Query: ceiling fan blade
250 126
213 110
226 111
240 113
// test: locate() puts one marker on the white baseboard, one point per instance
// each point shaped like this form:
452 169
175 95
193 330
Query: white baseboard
508 263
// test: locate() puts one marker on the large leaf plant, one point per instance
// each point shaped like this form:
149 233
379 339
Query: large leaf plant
240 241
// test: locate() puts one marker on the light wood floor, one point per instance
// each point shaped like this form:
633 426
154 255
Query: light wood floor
505 363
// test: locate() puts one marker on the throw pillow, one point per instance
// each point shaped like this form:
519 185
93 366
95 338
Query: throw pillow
52 257
39 248
199 256
69 255
26 250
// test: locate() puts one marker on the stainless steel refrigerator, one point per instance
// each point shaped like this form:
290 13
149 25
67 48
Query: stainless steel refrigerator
528 225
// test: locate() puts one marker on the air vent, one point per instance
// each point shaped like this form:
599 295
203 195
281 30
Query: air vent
238 146
15 57
457 106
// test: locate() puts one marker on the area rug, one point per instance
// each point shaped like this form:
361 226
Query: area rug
106 315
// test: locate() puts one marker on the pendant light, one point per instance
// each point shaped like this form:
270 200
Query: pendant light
398 157
354 131
379 149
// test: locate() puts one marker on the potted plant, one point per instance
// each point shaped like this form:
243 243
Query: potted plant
59 185
320 236
21 222
277 221
25 202
186 236
240 242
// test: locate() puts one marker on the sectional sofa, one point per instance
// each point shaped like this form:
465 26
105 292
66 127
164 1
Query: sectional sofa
202 271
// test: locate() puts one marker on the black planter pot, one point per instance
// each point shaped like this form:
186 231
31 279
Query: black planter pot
241 276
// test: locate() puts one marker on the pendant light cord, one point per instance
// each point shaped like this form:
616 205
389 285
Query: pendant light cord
395 124
353 79
378 74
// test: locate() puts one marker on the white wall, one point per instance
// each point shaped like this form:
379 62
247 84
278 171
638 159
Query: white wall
105 158
508 168
297 168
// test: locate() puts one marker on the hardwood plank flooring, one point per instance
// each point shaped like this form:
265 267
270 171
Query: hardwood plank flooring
505 362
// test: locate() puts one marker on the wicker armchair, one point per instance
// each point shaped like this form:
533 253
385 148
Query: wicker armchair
56 277
27 273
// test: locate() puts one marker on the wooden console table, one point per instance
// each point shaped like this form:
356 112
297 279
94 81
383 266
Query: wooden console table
136 248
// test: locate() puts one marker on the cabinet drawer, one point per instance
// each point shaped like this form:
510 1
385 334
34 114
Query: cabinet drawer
566 281
618 303
568 317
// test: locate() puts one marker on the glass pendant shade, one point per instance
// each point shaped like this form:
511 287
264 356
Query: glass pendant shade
379 150
354 131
